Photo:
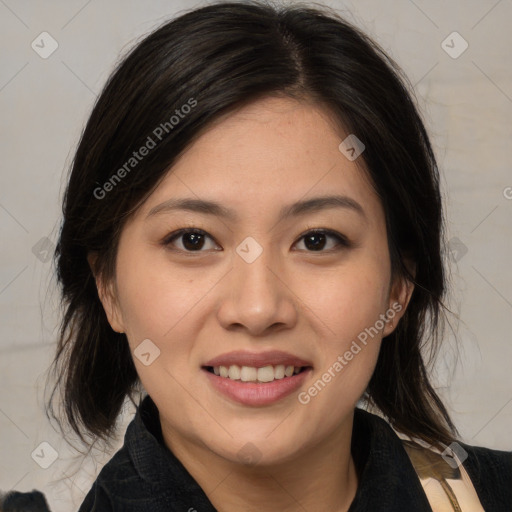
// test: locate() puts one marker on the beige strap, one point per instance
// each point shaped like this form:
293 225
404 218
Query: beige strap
445 480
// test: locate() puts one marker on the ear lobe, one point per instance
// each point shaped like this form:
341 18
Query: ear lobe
399 298
107 295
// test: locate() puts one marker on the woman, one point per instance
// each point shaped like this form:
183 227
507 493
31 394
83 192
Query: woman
253 239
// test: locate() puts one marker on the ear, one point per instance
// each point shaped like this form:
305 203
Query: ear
399 298
108 296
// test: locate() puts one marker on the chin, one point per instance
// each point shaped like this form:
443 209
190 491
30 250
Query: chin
258 450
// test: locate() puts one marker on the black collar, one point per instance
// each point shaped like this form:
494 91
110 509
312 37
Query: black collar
387 480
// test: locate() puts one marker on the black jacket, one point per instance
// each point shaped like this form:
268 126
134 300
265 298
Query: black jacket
145 476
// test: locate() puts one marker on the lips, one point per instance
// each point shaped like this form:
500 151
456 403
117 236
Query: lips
257 360
256 394
256 379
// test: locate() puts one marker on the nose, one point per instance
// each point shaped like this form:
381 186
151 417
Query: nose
256 296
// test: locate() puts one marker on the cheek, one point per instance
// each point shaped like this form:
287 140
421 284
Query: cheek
156 306
153 296
168 306
348 299
348 345
350 305
154 302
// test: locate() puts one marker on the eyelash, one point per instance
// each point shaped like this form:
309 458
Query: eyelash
342 241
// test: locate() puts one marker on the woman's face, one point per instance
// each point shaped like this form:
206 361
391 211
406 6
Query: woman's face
256 281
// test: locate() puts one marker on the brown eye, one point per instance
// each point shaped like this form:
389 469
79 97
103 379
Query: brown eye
194 240
317 240
191 240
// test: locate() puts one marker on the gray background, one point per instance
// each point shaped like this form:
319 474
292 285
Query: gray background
467 105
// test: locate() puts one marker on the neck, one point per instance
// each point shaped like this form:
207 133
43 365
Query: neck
322 477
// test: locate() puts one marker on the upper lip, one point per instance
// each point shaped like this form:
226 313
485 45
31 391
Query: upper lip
258 360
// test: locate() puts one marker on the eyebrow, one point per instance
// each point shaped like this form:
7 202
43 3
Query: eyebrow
296 209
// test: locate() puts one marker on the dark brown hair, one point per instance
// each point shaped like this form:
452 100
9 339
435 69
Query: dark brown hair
223 56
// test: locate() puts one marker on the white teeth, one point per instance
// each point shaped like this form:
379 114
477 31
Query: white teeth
248 374
234 372
253 374
266 374
279 371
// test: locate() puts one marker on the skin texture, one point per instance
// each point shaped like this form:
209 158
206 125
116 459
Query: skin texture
197 305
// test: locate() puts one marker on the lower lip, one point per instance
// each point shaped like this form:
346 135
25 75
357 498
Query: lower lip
252 393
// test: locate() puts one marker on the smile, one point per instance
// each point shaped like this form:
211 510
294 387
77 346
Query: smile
264 374
272 388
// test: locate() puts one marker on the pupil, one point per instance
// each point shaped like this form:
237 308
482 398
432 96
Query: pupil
192 241
315 246
315 241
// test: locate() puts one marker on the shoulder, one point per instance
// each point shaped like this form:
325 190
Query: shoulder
490 470
491 473
105 490
122 481
484 460
482 463
141 475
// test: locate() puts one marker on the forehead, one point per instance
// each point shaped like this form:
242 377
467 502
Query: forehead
272 152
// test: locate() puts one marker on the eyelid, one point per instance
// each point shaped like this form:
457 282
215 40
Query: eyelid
176 234
343 241
326 231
